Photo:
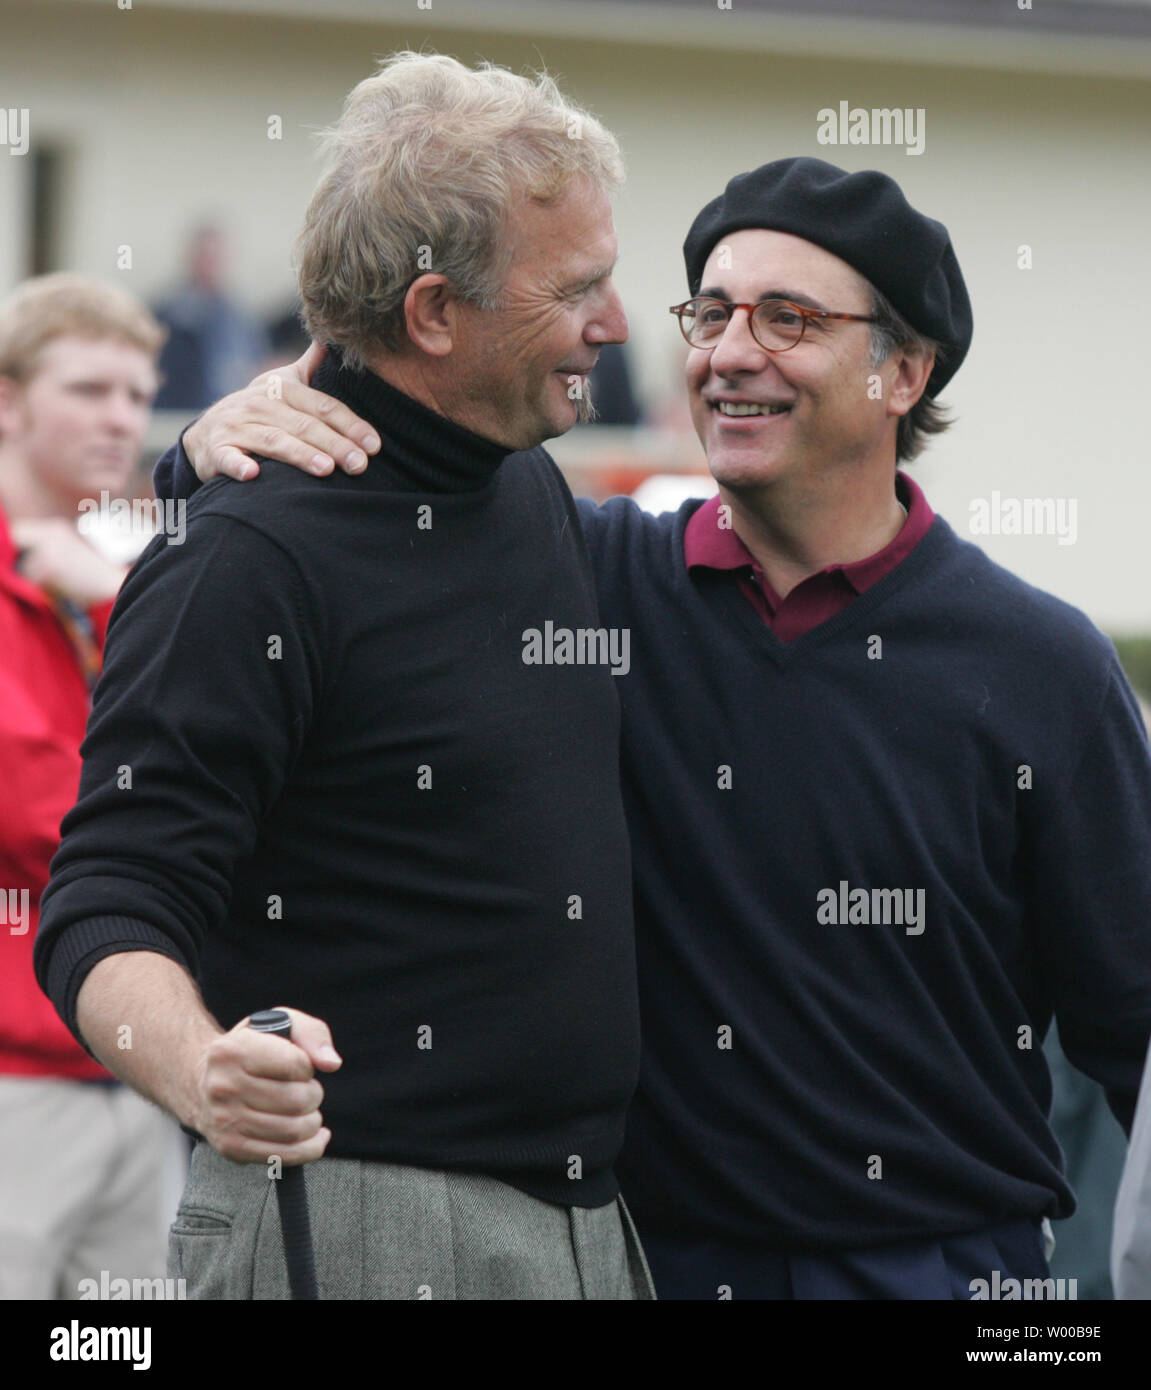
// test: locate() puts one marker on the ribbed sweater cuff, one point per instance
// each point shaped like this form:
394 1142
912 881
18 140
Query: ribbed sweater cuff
84 943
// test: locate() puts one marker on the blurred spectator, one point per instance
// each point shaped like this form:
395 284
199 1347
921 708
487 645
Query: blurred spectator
214 346
81 1156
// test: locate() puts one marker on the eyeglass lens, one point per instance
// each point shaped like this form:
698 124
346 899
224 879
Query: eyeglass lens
774 323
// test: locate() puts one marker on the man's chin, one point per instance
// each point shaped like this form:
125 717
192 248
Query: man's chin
114 479
742 468
522 441
555 420
560 422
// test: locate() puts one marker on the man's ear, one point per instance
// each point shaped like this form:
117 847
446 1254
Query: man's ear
431 314
912 372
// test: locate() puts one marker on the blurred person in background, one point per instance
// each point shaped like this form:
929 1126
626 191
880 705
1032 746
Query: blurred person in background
81 1155
214 344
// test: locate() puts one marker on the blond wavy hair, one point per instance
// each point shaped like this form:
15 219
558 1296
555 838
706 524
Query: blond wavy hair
70 306
424 169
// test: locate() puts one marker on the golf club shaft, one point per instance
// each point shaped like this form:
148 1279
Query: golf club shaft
291 1191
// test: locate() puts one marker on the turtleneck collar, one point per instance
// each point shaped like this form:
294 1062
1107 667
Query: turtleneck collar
431 451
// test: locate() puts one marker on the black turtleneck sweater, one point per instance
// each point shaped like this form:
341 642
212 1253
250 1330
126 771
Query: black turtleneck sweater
320 772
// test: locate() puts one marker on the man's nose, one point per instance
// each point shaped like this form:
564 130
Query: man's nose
610 325
737 351
124 414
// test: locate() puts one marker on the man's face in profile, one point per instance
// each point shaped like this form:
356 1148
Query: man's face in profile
515 365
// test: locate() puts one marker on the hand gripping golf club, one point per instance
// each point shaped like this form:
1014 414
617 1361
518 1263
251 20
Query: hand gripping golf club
290 1190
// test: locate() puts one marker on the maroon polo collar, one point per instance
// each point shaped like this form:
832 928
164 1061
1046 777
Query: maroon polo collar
821 595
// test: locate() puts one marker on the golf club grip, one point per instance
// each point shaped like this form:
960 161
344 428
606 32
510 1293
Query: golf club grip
297 1230
291 1192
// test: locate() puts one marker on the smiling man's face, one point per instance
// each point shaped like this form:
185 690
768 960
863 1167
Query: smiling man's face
515 368
820 387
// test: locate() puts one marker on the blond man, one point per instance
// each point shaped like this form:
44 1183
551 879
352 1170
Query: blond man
360 796
80 1166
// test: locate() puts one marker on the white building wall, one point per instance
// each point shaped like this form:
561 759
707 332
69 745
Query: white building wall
165 115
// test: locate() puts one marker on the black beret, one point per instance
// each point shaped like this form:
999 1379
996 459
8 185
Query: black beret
865 220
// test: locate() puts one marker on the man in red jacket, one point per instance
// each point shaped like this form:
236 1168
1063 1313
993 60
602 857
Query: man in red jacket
82 1157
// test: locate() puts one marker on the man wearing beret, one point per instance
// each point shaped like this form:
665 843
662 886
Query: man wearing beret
890 807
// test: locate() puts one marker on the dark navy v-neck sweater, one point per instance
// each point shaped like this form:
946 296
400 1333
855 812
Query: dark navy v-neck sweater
987 752
320 772
815 1078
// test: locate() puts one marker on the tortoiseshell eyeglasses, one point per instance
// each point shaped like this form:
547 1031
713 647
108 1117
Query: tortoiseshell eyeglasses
776 324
